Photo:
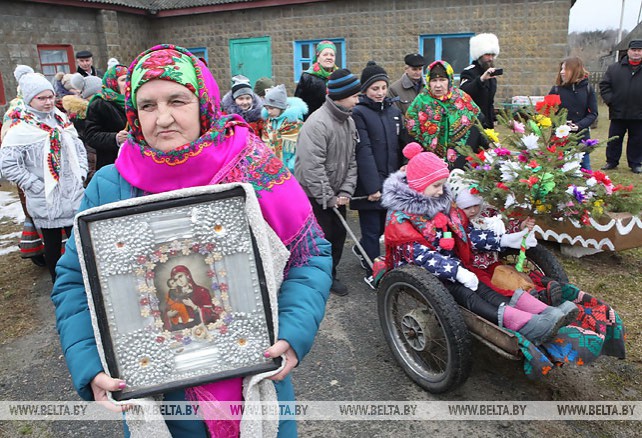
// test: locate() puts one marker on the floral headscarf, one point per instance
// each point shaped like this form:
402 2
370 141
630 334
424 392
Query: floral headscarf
226 151
316 69
170 65
110 91
439 123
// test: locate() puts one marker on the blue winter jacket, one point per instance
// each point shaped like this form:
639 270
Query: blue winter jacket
382 135
301 301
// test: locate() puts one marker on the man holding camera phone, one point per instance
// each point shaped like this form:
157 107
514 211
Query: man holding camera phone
479 78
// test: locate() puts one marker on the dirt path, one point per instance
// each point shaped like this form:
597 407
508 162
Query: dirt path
350 361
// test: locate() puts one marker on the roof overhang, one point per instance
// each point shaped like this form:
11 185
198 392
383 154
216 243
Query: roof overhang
225 7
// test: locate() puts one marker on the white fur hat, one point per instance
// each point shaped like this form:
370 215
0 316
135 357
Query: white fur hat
31 84
112 62
482 44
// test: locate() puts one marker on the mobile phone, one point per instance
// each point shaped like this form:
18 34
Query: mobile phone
497 72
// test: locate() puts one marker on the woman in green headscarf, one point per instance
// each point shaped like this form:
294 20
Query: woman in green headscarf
443 117
312 84
106 121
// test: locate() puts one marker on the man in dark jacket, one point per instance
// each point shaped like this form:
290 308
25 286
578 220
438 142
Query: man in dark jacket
325 163
478 79
411 82
85 61
621 90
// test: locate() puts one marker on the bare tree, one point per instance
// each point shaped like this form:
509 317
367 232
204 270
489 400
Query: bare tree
593 46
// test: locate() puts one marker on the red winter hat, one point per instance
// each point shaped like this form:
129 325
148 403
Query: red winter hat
424 168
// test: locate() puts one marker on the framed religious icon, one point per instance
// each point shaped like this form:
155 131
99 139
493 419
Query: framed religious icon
178 290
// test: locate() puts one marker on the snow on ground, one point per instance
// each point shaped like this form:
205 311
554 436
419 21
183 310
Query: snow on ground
11 209
8 249
10 235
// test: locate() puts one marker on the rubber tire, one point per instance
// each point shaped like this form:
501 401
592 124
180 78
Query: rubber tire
543 259
452 324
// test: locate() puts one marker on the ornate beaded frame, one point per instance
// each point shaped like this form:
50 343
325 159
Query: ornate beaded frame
179 292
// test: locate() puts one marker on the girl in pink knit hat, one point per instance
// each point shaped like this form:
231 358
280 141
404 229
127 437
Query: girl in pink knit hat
424 228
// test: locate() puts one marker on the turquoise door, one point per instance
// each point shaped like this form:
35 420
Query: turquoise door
251 57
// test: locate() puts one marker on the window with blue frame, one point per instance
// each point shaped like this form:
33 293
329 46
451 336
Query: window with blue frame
304 54
199 52
452 48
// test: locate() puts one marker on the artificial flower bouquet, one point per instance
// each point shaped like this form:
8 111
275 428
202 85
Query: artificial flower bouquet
535 169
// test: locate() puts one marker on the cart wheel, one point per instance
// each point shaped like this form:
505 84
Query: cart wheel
424 329
539 259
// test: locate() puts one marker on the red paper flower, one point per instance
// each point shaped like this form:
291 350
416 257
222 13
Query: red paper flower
586 219
549 105
601 177
530 181
473 164
533 164
553 99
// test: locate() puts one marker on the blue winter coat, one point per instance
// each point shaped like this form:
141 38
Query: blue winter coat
301 303
381 137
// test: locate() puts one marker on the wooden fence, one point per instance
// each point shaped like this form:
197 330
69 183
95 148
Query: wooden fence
594 79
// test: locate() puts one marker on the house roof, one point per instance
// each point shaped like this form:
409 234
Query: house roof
635 34
166 8
154 6
162 5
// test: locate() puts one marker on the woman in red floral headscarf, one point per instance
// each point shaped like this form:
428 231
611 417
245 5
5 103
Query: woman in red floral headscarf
443 117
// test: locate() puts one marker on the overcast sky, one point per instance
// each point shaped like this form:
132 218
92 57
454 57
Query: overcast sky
603 14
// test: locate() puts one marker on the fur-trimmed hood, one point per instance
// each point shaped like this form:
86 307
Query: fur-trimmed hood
75 106
397 195
482 44
252 115
295 111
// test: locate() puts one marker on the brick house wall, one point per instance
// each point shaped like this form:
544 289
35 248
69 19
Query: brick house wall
24 25
532 34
